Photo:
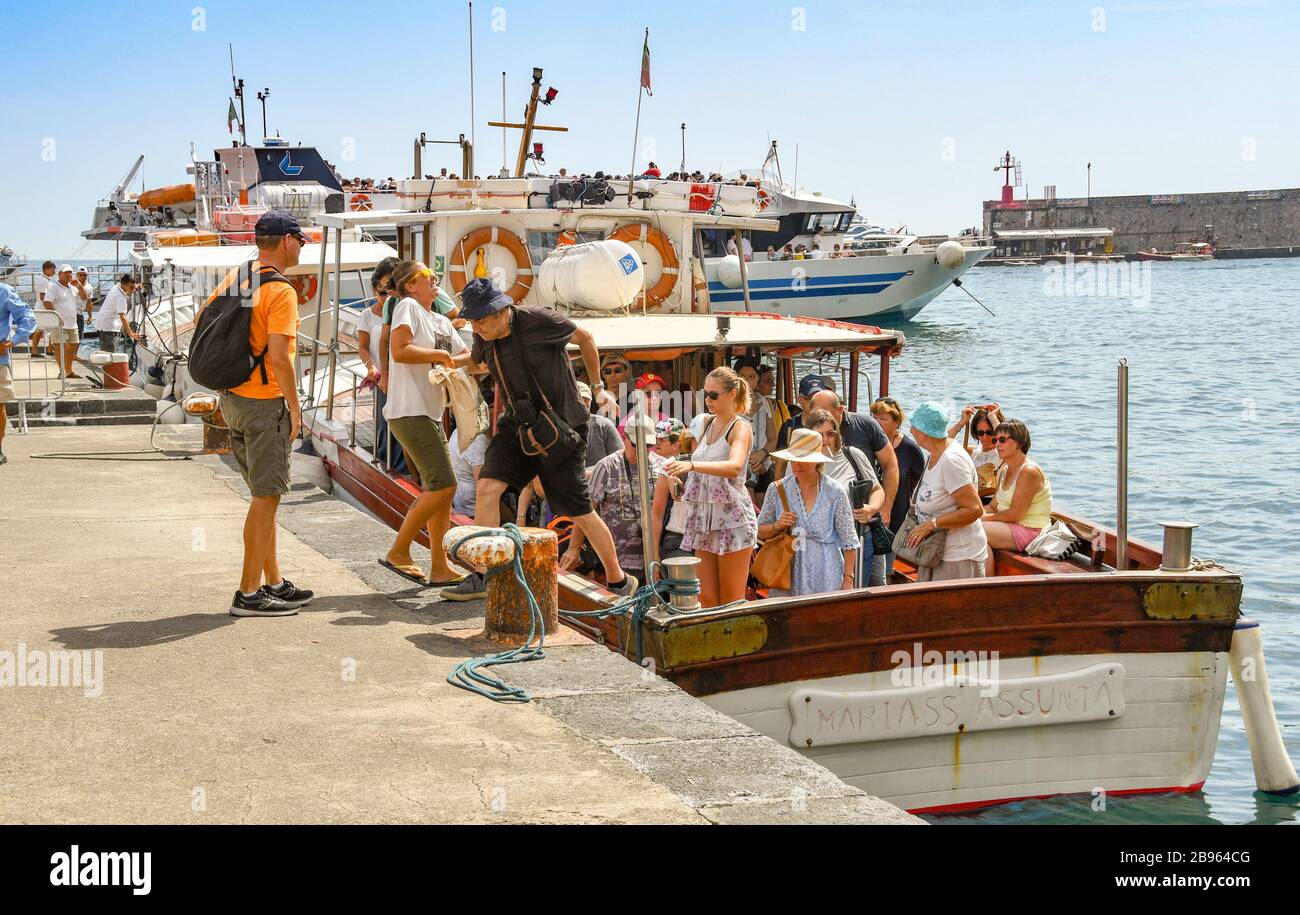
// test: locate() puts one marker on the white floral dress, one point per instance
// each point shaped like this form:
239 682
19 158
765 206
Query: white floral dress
718 514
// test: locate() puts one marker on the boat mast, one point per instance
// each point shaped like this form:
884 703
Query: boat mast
530 121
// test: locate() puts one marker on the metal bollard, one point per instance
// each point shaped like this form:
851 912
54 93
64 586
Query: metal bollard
507 618
683 569
1176 554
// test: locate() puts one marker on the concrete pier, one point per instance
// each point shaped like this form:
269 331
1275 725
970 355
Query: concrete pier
340 714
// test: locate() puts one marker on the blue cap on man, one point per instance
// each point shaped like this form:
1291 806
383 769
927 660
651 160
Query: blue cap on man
278 222
810 385
482 298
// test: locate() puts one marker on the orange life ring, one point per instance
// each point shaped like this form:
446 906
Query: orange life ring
763 200
306 286
641 232
361 202
492 235
567 237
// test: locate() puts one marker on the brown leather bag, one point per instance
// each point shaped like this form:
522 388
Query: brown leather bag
775 559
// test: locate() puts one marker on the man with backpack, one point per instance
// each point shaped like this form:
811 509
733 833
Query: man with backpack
243 346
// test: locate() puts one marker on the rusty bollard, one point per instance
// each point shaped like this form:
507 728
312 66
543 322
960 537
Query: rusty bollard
506 615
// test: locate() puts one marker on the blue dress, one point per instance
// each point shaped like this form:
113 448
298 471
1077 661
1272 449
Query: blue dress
821 535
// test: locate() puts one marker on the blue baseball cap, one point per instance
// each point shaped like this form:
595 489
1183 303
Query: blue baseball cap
278 222
931 417
482 298
810 385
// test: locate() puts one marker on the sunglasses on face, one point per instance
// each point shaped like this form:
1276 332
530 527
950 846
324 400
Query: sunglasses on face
614 370
980 433
1001 439
712 395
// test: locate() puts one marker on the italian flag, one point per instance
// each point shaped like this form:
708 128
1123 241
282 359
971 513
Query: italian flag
231 117
645 64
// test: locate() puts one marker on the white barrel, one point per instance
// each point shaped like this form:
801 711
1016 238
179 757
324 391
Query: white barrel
1274 773
599 275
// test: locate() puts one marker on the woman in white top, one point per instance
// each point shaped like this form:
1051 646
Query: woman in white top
420 338
947 498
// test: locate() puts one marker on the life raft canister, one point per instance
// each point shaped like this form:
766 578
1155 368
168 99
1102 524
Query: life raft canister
480 238
645 234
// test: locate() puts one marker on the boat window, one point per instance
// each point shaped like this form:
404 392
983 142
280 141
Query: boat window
829 222
715 242
541 244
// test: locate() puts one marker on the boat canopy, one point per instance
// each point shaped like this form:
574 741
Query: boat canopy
786 336
1026 234
400 218
357 255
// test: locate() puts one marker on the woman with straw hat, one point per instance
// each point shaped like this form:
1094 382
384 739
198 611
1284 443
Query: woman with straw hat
816 510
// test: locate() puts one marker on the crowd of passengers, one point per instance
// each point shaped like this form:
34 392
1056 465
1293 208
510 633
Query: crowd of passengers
747 468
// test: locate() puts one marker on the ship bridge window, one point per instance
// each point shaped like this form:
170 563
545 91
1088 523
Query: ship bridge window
715 241
828 222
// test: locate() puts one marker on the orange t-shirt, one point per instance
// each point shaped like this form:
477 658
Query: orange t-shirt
275 311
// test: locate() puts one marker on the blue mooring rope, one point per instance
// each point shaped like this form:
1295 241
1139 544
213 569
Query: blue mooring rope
467 675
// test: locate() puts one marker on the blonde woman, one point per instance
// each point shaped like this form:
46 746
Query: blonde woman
720 525
421 338
819 514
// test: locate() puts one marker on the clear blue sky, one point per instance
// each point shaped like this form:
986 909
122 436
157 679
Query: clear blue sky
904 105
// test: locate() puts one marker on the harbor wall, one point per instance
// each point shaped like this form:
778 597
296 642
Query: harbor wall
1240 219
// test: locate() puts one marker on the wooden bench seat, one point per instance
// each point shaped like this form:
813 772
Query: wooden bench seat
1006 562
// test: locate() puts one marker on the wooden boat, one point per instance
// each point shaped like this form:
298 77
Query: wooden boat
1183 251
1047 677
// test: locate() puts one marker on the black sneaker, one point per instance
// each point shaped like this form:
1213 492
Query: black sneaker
471 588
260 604
293 596
627 588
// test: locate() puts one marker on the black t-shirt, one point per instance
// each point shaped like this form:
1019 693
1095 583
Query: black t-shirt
911 465
862 431
544 333
783 433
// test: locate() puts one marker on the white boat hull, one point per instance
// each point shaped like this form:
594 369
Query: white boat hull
1158 732
861 289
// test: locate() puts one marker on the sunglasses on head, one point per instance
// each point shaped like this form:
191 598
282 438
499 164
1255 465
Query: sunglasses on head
425 272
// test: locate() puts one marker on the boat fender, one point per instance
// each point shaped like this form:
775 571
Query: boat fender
950 255
729 271
1274 773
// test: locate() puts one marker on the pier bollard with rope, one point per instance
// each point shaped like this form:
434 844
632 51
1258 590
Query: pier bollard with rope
508 615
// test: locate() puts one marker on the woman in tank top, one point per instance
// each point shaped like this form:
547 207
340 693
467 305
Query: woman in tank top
719 523
1022 506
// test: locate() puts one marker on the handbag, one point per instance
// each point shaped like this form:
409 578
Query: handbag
927 554
882 541
775 558
542 432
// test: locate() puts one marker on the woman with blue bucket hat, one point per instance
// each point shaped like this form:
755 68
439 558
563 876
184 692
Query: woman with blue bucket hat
947 500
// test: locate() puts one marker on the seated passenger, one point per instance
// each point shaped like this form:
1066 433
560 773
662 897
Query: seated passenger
819 515
616 496
1022 506
981 420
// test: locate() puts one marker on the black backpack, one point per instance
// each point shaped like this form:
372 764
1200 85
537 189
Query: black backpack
220 355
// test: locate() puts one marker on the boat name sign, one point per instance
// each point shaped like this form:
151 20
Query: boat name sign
961 704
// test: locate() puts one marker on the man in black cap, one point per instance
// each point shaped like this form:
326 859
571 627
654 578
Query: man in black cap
523 346
264 416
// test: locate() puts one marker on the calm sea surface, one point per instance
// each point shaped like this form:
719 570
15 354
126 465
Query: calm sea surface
1214 433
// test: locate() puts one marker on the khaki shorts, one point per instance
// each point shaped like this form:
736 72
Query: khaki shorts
425 447
259 438
7 394
68 335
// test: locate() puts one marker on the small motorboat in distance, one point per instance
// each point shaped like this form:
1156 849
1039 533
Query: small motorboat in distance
1183 251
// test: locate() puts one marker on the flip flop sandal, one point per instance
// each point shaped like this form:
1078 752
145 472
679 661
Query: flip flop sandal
410 573
447 584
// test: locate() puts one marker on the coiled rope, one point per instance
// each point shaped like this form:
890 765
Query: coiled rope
469 675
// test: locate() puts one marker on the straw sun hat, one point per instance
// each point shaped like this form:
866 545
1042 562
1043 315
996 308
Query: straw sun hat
805 447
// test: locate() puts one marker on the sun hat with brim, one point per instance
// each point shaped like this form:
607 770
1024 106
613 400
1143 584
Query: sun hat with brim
805 447
931 417
481 298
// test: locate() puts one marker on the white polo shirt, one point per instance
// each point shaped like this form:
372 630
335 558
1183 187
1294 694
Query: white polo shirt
65 301
112 311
